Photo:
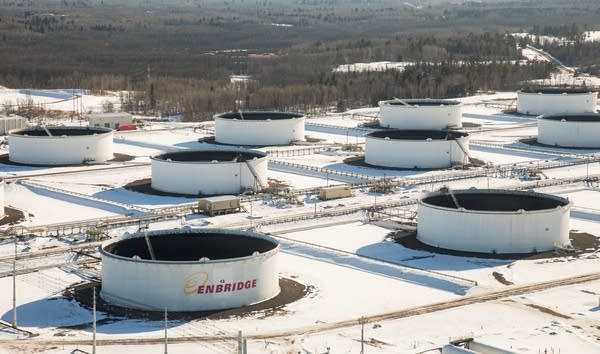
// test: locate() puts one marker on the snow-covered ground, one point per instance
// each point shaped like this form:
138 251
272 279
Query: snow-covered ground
353 269
66 100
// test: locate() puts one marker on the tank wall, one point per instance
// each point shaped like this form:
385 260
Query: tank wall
60 150
423 117
189 287
259 132
2 198
548 104
207 178
569 133
415 154
489 232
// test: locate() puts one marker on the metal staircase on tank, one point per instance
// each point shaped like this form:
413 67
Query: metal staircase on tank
467 154
447 190
257 178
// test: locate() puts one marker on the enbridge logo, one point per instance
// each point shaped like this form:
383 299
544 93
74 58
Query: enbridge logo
193 281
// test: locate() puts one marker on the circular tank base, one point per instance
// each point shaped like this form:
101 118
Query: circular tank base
581 242
291 291
360 161
145 186
11 216
4 159
534 142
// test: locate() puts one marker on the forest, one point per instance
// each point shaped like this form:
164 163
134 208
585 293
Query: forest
176 56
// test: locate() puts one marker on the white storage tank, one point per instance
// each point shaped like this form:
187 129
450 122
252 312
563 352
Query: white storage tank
209 172
416 148
556 100
570 130
420 114
189 269
259 128
494 221
1 197
63 145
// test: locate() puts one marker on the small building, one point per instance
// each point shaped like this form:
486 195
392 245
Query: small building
110 120
11 122
335 192
224 204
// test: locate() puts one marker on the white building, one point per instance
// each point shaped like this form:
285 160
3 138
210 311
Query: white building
420 114
208 172
494 221
189 269
62 145
259 128
110 120
10 122
416 148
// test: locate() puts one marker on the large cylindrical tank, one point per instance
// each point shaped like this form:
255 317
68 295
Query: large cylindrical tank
1 197
192 269
60 145
556 100
209 172
420 114
494 221
571 130
259 128
416 148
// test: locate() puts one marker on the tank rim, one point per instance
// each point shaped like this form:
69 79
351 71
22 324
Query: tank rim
184 231
561 201
91 131
248 153
420 102
417 135
259 116
574 118
555 90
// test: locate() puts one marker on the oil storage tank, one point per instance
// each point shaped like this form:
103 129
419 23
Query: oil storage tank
259 128
416 148
420 114
556 100
570 130
493 221
189 269
63 145
1 197
209 172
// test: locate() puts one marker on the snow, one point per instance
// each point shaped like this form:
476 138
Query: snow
373 66
67 100
591 36
352 268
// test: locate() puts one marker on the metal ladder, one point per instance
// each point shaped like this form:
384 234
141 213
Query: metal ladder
469 158
257 178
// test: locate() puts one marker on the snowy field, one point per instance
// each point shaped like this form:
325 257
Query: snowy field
353 269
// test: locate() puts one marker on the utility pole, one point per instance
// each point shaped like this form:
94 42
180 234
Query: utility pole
94 321
362 335
166 338
240 349
14 316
